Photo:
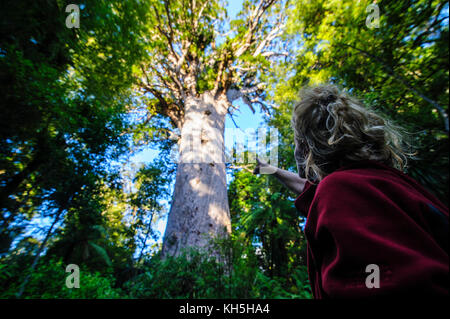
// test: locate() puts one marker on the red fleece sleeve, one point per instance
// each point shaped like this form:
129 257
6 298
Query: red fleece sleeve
358 223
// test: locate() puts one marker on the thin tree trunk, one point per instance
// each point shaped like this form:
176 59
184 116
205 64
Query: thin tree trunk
199 209
149 229
38 254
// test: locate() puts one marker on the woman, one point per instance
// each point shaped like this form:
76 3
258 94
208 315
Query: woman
371 230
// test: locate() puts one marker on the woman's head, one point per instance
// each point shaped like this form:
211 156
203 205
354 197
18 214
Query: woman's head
332 129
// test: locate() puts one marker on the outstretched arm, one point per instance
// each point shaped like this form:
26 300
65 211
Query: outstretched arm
291 180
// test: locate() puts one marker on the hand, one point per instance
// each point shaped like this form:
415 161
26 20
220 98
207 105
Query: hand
263 168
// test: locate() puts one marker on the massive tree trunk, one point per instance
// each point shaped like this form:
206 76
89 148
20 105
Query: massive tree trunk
199 210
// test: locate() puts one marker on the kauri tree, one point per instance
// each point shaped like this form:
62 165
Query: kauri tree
193 74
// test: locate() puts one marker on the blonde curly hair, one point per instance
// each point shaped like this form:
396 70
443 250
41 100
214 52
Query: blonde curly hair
332 129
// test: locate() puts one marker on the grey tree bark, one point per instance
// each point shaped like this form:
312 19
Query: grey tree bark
199 210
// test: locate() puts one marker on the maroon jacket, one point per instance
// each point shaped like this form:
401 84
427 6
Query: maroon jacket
368 213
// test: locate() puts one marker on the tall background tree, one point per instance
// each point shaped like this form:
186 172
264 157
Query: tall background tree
193 74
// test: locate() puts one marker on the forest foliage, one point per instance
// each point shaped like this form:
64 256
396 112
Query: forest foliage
71 116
